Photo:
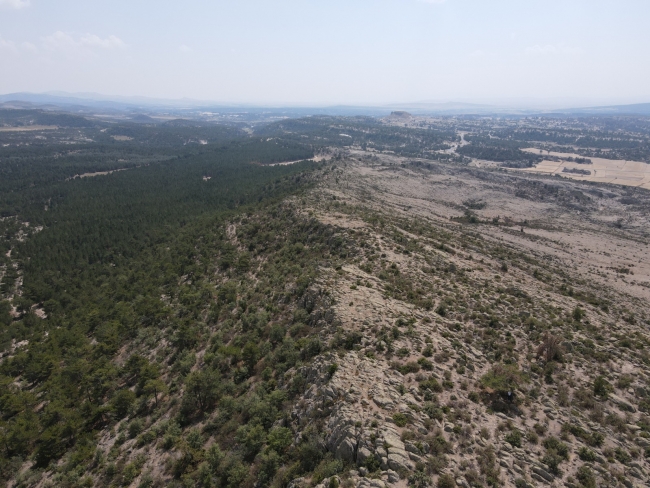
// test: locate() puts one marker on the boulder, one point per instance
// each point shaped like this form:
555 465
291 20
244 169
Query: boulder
362 455
622 404
345 451
383 402
393 477
397 461
415 457
411 448
393 440
543 473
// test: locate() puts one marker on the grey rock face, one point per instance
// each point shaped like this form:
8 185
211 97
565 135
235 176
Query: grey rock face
543 473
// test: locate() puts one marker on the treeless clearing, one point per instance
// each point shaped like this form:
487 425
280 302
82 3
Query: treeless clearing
97 173
629 173
28 128
315 158
584 239
400 214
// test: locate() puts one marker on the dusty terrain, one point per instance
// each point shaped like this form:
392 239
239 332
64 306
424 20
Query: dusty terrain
396 321
28 128
629 173
441 292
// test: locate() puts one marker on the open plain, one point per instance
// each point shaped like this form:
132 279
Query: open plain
629 173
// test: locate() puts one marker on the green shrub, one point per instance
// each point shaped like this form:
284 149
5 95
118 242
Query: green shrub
586 477
595 439
431 384
235 474
279 439
503 378
373 464
420 479
624 381
132 470
532 437
514 438
269 463
332 369
309 453
110 471
446 481
403 352
552 460
251 438
326 469
146 481
146 438
587 454
556 452
601 387
410 367
622 456
433 411
578 314
135 427
122 403
560 447
438 445
400 419
425 364
195 439
214 456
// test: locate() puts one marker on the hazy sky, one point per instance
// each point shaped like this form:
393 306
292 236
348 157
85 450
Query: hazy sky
329 51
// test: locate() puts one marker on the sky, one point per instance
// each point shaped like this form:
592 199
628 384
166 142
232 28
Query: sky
325 52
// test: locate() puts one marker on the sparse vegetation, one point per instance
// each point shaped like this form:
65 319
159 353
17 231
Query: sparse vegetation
268 323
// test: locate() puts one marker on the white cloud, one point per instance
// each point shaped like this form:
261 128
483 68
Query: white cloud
110 42
7 45
547 49
183 48
85 45
482 54
58 40
62 41
28 46
14 4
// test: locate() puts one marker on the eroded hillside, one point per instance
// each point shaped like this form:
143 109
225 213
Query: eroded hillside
501 326
389 322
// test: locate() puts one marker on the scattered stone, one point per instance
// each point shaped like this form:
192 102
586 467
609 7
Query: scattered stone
393 477
543 473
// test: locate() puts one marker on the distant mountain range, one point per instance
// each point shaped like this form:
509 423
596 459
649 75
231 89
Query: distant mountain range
633 109
94 102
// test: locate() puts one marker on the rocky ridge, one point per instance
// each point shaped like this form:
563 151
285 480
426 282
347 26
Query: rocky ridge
410 404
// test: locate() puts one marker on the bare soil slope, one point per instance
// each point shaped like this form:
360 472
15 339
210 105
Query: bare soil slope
502 329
